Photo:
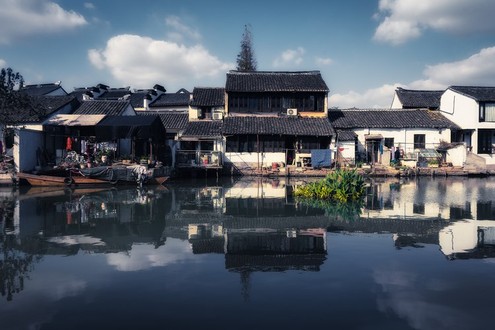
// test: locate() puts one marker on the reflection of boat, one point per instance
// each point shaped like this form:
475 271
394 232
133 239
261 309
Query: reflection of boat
98 175
55 191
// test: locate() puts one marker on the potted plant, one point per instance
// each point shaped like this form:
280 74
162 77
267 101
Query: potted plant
433 162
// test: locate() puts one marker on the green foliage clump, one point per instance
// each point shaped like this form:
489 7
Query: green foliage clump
340 186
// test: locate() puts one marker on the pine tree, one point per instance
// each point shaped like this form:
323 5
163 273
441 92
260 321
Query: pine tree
245 59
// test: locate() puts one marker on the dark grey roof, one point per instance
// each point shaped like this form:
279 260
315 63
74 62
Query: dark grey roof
40 108
480 94
268 81
114 93
137 98
203 129
172 122
40 89
208 97
102 107
414 99
344 135
79 92
118 127
278 125
171 100
362 118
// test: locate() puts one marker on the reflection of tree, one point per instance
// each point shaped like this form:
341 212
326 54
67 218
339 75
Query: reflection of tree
15 264
344 211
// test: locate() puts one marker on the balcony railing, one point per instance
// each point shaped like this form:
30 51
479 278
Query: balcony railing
199 159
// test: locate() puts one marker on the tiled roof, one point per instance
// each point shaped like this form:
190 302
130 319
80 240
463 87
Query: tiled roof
171 100
419 98
203 129
278 125
42 107
362 118
114 94
40 89
79 92
102 107
344 135
480 94
268 81
137 98
208 97
172 122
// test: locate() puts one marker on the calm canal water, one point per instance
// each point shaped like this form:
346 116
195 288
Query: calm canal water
419 254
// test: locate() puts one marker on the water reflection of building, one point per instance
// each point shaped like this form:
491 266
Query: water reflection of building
95 220
258 227
455 213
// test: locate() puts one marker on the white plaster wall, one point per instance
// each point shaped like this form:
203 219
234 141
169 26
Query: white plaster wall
25 144
253 158
396 103
405 137
462 110
347 150
457 156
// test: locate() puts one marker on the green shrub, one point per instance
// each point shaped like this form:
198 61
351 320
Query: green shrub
340 186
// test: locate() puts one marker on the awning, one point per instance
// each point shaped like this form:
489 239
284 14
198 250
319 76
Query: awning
74 120
373 137
124 127
429 153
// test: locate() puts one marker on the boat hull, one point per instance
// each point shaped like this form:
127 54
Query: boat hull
49 180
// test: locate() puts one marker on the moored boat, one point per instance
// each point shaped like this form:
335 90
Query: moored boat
130 175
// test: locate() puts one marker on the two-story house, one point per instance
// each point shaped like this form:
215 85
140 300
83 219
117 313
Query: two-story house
472 108
276 118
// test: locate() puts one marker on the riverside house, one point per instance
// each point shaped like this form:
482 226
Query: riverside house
472 108
373 136
274 119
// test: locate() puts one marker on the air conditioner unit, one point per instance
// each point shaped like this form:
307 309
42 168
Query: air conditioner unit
217 116
291 112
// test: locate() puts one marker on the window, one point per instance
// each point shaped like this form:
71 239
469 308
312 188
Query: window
389 142
242 143
419 141
487 112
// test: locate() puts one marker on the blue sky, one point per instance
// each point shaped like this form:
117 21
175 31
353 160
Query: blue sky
363 48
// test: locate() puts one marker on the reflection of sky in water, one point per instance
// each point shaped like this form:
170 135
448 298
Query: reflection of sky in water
144 256
168 261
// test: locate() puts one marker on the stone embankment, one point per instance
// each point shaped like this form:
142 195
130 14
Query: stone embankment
371 171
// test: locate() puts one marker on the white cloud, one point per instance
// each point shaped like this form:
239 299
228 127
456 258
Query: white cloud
143 62
3 63
323 61
289 57
89 5
412 299
402 20
146 256
380 97
22 18
180 30
478 70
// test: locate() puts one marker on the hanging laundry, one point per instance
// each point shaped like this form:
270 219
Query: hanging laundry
68 145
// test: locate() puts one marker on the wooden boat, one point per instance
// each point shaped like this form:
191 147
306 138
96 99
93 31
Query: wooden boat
97 176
